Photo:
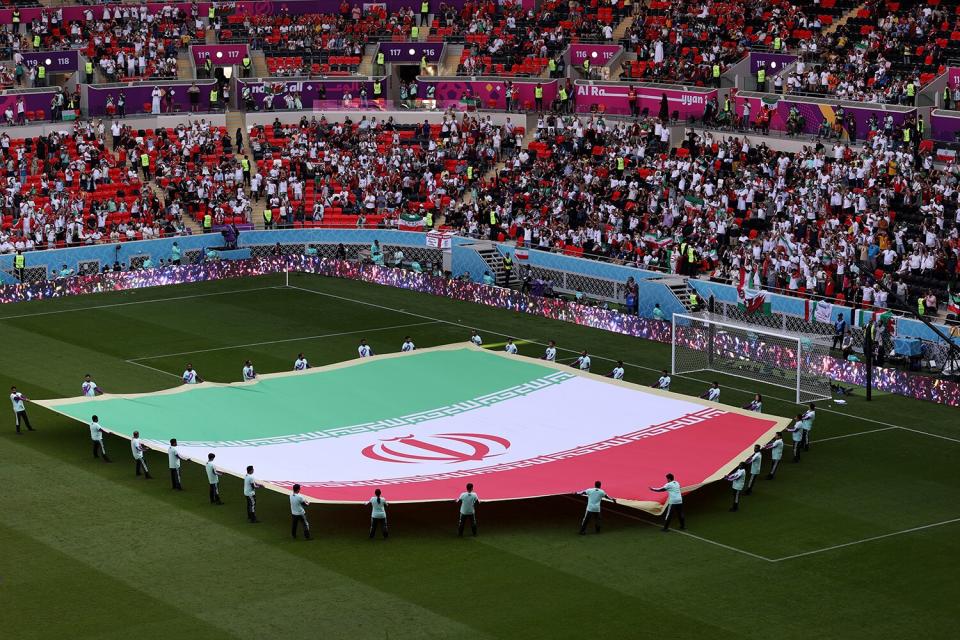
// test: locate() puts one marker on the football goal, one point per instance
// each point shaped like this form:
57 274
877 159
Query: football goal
793 361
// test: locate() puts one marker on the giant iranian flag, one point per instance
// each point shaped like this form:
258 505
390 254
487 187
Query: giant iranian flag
421 425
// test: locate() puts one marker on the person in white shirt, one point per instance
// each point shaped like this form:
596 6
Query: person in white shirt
510 347
301 364
190 376
378 515
737 479
138 451
364 349
674 502
595 496
617 373
19 410
808 417
248 371
583 362
213 477
298 513
89 387
476 339
550 355
663 382
96 435
468 502
407 345
712 393
173 461
755 461
756 404
250 486
776 453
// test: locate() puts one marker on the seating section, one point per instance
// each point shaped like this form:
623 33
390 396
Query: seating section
73 192
304 187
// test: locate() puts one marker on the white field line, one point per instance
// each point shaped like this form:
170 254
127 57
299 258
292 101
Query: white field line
851 435
932 435
652 523
257 344
146 366
128 304
871 539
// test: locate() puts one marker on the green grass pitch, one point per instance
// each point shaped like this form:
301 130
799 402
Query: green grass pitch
857 541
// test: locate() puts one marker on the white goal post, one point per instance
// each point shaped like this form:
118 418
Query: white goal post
793 361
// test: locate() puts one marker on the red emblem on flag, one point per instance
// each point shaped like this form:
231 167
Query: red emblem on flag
442 447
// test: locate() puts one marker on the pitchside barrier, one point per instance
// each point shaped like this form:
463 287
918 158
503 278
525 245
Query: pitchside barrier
854 373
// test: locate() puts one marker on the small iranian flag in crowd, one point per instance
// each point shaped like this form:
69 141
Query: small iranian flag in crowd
882 317
754 301
953 304
657 240
410 221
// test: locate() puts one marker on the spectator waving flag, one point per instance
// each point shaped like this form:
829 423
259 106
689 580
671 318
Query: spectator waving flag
754 301
882 317
953 304
823 312
410 221
693 204
657 240
788 246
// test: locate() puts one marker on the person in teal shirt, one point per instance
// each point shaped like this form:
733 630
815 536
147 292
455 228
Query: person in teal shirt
65 272
148 263
175 253
797 431
658 312
487 278
737 479
376 253
415 267
310 252
755 461
213 254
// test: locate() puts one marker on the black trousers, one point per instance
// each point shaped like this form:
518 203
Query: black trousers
142 467
22 418
175 479
378 522
674 509
472 517
736 500
753 478
99 451
215 493
837 340
773 469
295 522
805 442
252 508
587 517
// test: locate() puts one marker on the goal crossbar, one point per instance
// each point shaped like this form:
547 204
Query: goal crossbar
793 361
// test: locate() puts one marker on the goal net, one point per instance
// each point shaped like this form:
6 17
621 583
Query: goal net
793 361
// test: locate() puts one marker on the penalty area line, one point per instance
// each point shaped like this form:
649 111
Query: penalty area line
865 540
146 366
281 341
132 303
687 534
